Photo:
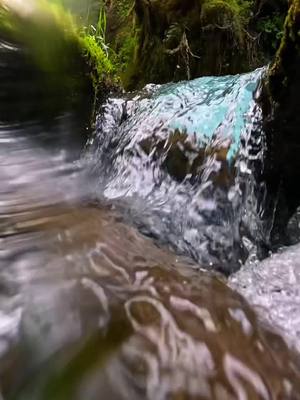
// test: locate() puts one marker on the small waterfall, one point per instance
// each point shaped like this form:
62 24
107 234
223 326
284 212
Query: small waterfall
179 159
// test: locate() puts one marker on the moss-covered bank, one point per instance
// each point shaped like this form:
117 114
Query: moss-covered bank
181 40
160 41
281 115
122 34
66 60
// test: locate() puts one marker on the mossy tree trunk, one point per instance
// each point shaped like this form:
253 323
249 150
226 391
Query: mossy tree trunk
186 39
281 116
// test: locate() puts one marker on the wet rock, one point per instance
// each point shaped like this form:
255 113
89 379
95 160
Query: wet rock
272 288
183 158
168 155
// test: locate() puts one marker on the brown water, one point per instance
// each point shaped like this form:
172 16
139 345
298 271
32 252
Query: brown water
101 312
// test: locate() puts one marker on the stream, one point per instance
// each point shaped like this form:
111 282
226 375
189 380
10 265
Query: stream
179 160
129 264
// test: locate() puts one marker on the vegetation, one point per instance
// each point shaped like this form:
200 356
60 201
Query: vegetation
154 41
272 28
159 41
111 25
95 49
71 51
122 34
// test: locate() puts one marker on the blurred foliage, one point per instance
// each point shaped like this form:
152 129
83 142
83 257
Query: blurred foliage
271 28
69 44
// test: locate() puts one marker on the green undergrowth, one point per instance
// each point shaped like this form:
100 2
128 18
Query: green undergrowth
122 34
272 30
101 68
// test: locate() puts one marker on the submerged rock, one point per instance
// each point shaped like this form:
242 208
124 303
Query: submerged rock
170 157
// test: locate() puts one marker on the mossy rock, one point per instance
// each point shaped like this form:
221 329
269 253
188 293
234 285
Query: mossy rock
181 40
182 157
161 41
281 121
65 60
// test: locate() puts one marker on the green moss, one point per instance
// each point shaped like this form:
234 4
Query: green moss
56 44
178 40
123 8
230 14
285 67
101 68
126 52
122 35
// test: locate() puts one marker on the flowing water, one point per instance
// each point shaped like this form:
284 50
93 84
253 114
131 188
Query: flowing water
108 256
172 157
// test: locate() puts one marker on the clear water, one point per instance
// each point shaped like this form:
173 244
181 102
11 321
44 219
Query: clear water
199 213
202 107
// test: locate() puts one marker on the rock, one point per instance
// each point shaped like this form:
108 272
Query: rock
272 288
281 120
181 156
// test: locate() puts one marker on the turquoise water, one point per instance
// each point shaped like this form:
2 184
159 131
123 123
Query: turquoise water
199 211
204 107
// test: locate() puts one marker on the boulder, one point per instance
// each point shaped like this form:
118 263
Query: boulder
281 120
